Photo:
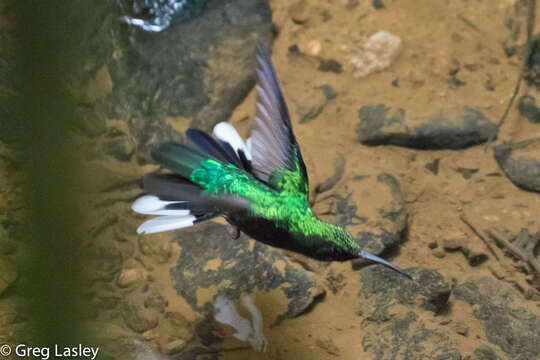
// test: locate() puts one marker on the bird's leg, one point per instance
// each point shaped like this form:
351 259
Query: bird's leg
365 255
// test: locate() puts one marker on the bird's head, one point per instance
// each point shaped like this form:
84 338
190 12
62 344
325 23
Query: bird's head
345 247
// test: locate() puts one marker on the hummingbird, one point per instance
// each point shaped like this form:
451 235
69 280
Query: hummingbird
259 186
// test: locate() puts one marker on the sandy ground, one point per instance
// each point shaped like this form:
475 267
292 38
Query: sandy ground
435 36
438 37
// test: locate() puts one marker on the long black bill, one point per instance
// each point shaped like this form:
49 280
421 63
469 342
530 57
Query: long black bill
365 255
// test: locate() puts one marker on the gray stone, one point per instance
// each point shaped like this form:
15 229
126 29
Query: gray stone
439 253
130 277
453 128
212 265
521 163
119 146
532 66
182 327
330 182
382 287
200 78
408 337
156 301
330 65
513 329
138 318
399 333
528 108
320 96
484 352
174 346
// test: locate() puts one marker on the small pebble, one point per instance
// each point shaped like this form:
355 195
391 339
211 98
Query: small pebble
299 12
129 277
314 47
453 243
439 253
175 346
461 329
433 245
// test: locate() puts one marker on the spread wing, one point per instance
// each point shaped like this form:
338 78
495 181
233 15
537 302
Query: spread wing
276 157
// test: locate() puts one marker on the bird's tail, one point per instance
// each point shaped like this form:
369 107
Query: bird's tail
178 203
175 198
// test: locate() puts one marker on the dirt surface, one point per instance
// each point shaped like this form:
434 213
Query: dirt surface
436 36
451 56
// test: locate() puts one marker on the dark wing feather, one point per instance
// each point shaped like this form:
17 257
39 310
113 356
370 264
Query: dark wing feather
275 152
218 149
171 187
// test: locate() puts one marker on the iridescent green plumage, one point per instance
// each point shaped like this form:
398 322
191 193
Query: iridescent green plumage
288 210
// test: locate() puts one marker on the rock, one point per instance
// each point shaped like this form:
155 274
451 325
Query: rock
335 282
449 129
454 242
313 47
476 258
8 273
409 337
299 12
129 277
321 96
330 65
377 53
394 331
329 183
521 163
371 207
461 329
328 91
118 143
378 5
484 352
532 66
156 302
212 265
157 248
328 346
181 326
433 245
513 329
515 21
382 286
154 80
467 173
174 346
528 108
138 318
156 16
439 253
433 166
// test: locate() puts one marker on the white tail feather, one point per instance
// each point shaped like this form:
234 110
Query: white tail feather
151 205
226 132
165 223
